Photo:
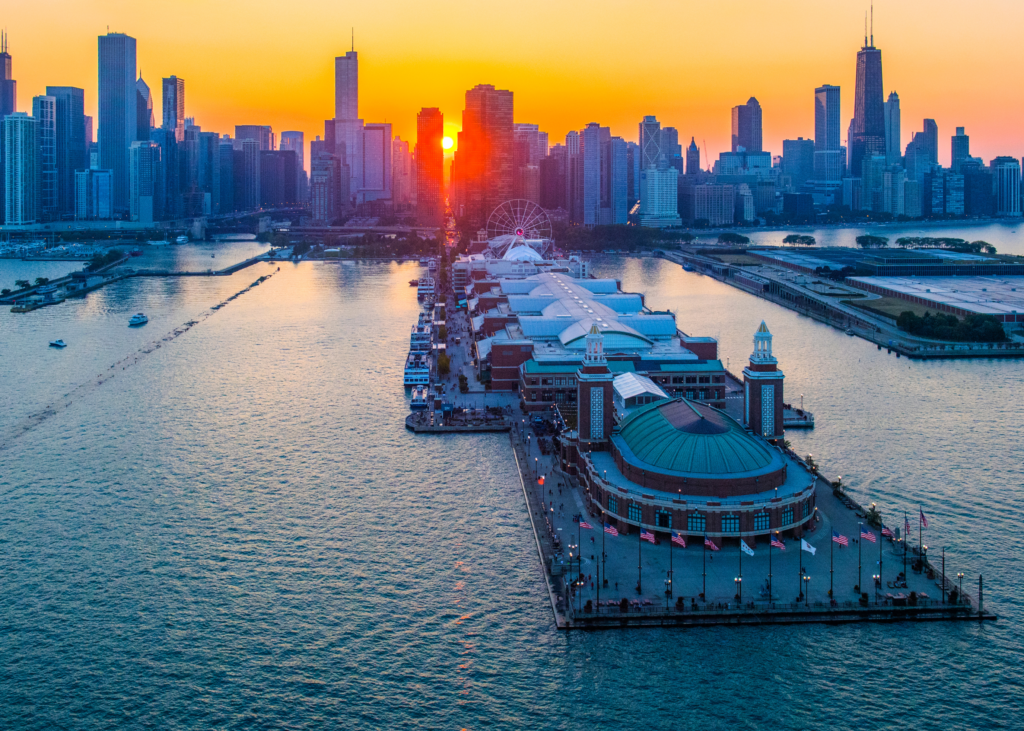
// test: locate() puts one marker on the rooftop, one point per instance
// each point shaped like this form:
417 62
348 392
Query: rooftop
994 295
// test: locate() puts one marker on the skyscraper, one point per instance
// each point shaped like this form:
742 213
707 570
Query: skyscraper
483 160
118 120
746 126
692 158
346 86
144 176
174 106
19 139
892 130
1007 185
376 163
296 142
592 139
143 109
828 156
961 149
429 167
44 110
867 130
403 175
248 172
798 158
262 133
71 144
8 86
650 142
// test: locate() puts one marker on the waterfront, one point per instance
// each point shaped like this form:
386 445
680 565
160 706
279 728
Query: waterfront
239 531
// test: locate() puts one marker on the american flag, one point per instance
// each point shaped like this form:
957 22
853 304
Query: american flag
867 535
610 530
646 535
841 540
585 524
678 539
887 532
710 543
777 542
924 520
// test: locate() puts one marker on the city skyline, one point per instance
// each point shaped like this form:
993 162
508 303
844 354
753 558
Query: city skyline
561 88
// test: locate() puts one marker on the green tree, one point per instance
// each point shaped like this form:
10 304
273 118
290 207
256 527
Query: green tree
5 290
22 283
40 281
444 364
867 241
732 238
442 333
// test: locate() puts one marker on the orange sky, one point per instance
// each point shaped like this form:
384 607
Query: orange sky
569 62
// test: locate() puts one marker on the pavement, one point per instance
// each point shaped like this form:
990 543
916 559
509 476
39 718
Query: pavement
696 570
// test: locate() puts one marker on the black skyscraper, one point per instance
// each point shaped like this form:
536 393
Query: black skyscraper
71 148
867 132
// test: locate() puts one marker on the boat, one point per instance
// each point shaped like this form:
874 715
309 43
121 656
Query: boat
423 262
135 252
688 268
425 288
414 282
138 319
849 331
181 240
419 399
417 370
58 344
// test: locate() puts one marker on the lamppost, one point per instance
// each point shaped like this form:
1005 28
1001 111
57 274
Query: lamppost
960 595
807 590
536 468
739 588
877 579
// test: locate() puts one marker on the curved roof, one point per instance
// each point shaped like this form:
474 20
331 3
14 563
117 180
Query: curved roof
683 437
522 253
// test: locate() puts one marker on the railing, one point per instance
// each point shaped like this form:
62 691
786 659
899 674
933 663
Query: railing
762 607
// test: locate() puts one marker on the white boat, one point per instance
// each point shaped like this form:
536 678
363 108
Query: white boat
417 370
419 399
138 319
181 240
425 288
58 344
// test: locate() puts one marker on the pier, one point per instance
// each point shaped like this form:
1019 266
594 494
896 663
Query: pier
647 585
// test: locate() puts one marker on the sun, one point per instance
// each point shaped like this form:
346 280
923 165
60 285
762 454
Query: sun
447 143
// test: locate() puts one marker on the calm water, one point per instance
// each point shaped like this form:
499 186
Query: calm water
236 531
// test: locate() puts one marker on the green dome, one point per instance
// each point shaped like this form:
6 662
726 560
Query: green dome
683 437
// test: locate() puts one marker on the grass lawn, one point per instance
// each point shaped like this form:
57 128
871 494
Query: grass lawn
890 307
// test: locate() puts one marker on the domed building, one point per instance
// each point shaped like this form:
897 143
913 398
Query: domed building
679 465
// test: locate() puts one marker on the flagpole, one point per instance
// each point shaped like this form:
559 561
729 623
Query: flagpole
831 566
800 578
860 573
704 569
906 524
880 538
639 553
579 557
671 574
920 541
769 567
739 589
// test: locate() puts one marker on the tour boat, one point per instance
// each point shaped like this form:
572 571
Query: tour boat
414 282
419 399
58 344
138 319
417 370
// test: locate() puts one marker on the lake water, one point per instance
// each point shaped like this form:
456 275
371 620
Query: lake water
237 531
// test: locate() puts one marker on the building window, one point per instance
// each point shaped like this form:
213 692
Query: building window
613 504
689 394
768 411
634 513
761 521
691 379
597 413
696 523
787 516
705 379
730 524
663 519
718 379
703 394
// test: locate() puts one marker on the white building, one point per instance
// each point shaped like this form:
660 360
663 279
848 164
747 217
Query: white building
659 203
21 169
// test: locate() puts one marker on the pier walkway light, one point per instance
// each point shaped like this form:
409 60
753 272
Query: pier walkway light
739 588
960 595
807 590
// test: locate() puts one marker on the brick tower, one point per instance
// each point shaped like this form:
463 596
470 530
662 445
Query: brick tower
762 388
594 392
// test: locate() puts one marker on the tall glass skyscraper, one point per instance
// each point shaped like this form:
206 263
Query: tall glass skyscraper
429 167
44 110
118 120
892 130
173 101
746 126
72 152
867 131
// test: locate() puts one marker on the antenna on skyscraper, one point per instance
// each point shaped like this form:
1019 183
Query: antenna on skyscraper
872 25
353 38
865 30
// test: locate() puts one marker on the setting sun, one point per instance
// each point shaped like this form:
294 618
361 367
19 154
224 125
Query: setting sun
447 143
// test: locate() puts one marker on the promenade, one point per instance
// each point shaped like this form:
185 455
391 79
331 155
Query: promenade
665 581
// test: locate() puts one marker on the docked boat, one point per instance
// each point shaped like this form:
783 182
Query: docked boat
421 340
135 252
423 262
432 265
849 331
688 268
58 344
419 399
417 370
181 240
138 319
414 282
425 288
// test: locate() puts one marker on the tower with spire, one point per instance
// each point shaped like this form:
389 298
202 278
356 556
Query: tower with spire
762 388
594 392
8 86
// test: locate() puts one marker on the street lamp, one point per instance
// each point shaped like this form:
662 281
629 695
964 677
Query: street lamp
877 579
739 588
807 590
960 595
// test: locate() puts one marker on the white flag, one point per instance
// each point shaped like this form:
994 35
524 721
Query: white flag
805 546
745 548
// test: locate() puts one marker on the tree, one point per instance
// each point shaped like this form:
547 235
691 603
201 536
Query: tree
799 239
444 364
463 384
972 329
442 333
867 241
5 290
40 281
732 238
22 284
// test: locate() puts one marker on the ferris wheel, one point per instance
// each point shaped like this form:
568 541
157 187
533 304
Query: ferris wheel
519 217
